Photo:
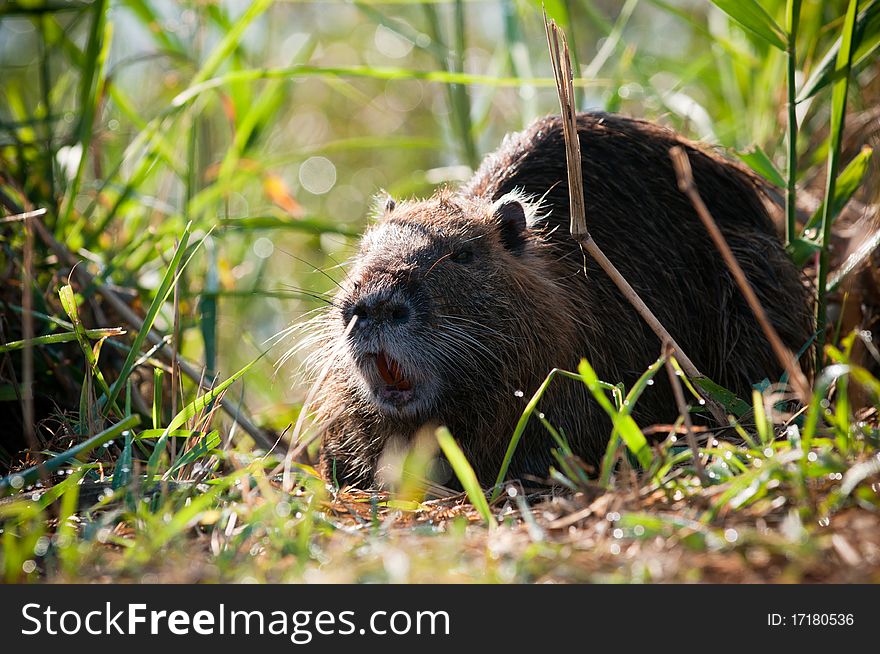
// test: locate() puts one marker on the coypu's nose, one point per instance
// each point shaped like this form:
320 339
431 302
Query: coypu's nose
379 309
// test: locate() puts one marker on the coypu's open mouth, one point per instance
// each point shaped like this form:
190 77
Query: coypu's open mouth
397 388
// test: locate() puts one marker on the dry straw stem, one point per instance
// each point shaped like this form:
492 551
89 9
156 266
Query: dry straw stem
787 359
561 62
27 333
134 321
683 410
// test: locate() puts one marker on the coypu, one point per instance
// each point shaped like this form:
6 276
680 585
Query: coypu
466 301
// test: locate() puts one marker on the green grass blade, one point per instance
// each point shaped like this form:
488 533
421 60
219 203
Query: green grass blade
68 303
623 423
838 118
626 407
848 182
465 474
756 159
122 473
753 17
204 447
91 84
865 40
63 337
190 411
158 373
731 403
162 294
792 20
522 424
197 405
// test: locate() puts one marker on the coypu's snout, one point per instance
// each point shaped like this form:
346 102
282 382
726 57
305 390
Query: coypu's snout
379 347
378 308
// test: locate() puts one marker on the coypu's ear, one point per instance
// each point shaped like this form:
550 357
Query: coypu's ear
390 204
511 217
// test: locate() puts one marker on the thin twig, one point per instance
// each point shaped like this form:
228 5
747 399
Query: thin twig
786 357
36 213
683 410
27 332
559 56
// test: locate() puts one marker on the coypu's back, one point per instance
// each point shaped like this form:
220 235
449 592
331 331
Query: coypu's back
649 230
466 301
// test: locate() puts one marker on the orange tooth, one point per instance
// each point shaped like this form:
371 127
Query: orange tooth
391 373
384 371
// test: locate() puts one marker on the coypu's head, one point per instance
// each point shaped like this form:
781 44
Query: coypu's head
434 292
459 314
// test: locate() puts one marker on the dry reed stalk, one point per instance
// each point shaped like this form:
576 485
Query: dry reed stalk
786 357
561 61
683 410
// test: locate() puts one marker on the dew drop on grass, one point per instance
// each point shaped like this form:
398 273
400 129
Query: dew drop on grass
28 566
731 535
824 521
650 382
282 509
768 451
518 393
812 456
614 549
618 533
17 481
639 530
511 491
702 401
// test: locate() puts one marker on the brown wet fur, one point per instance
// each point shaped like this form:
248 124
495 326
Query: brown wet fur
480 331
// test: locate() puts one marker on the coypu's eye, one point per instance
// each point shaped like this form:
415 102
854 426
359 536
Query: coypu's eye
465 255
